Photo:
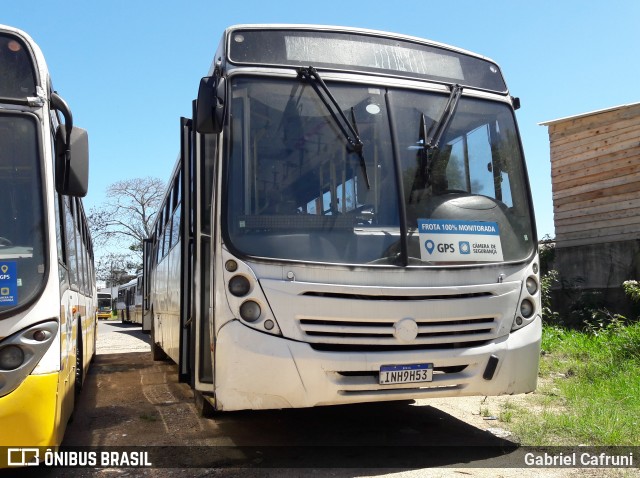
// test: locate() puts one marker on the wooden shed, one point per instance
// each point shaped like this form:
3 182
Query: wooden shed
595 175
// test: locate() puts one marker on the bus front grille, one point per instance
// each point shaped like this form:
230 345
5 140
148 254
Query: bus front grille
350 318
431 333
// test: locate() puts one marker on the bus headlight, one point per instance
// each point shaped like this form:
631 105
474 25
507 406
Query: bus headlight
245 298
532 285
250 311
529 308
526 308
239 286
21 352
11 357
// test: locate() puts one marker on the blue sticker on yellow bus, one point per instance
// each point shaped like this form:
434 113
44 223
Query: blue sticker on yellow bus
8 283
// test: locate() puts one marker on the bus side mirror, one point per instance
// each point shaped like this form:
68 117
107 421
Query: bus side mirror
72 153
72 161
210 106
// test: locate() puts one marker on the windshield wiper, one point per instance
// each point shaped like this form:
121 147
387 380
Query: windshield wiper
350 131
430 140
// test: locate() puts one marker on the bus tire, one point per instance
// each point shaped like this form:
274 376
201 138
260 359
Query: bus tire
203 406
156 351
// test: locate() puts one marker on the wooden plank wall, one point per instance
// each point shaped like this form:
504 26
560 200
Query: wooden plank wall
595 174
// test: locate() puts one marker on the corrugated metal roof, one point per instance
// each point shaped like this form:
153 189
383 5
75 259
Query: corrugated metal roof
582 115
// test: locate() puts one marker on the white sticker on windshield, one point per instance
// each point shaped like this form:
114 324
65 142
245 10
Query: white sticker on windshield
459 241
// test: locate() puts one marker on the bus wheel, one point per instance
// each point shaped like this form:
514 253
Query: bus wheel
156 351
79 363
203 406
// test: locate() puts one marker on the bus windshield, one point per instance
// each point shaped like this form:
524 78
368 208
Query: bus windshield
22 235
104 303
296 191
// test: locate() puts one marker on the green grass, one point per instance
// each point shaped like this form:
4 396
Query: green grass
148 417
589 391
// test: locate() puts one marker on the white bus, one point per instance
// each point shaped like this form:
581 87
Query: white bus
47 281
129 303
122 302
349 220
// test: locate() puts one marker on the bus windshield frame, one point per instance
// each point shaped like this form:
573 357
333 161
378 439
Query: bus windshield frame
464 203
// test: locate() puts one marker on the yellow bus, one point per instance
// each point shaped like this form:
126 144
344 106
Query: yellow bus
48 291
104 305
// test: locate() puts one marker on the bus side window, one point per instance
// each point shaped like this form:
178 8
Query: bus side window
70 236
81 249
60 236
175 221
159 240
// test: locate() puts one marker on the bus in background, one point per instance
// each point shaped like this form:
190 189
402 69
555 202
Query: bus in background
135 306
349 220
104 305
47 281
130 301
121 301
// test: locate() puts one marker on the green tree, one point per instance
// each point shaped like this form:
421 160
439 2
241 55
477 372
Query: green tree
115 269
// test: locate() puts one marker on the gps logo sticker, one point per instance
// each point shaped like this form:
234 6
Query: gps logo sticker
8 284
459 241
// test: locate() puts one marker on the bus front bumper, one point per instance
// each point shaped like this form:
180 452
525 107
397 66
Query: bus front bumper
259 371
28 416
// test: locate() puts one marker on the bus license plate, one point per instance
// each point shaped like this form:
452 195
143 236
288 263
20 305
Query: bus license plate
417 372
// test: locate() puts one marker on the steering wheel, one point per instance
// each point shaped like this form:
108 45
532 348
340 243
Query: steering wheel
4 242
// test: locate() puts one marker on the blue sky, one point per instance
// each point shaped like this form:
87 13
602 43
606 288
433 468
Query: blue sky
130 68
